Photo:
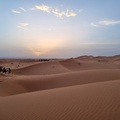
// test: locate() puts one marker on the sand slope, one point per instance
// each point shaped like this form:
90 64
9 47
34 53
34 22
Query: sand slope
96 101
9 86
52 67
34 83
78 64
63 66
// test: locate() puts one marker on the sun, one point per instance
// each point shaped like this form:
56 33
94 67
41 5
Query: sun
44 45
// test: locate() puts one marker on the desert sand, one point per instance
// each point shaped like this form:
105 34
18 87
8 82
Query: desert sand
82 88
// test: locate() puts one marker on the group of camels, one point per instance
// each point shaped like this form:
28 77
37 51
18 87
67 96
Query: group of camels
5 70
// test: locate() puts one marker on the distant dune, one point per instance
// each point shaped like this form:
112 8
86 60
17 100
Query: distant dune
82 88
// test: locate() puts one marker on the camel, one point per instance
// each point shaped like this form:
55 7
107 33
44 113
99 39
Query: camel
5 70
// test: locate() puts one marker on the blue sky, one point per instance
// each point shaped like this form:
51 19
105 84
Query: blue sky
59 28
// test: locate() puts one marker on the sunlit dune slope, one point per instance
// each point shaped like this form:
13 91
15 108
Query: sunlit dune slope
52 67
42 82
96 101
83 64
63 66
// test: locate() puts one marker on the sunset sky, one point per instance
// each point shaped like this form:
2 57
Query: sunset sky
59 28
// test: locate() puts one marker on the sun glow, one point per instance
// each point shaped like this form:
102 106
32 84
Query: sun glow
44 48
39 52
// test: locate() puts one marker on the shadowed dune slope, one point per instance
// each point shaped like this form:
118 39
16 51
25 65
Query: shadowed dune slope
96 101
9 86
43 82
52 67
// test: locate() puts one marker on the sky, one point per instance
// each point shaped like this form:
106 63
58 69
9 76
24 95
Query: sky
59 28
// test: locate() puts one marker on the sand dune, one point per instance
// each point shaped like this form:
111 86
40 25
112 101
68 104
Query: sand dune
78 64
83 88
63 66
35 83
17 63
9 86
52 67
96 101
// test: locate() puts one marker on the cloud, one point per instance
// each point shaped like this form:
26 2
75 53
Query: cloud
58 13
94 24
18 12
15 11
66 13
43 8
70 13
32 8
55 11
109 22
105 22
22 9
23 26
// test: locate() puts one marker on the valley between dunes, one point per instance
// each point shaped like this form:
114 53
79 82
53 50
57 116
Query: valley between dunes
83 88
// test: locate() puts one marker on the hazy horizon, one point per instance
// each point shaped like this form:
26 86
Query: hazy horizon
59 29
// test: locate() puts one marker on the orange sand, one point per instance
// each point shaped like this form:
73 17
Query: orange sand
83 88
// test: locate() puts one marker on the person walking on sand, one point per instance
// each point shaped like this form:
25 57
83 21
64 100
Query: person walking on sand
12 73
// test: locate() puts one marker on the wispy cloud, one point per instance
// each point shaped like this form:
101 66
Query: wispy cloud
23 26
109 22
56 12
67 13
33 8
15 11
70 13
94 24
22 9
43 8
106 22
